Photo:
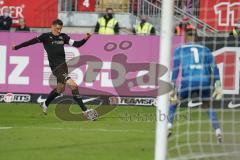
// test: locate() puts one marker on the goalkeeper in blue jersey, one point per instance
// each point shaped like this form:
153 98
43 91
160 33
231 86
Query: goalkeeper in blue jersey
199 80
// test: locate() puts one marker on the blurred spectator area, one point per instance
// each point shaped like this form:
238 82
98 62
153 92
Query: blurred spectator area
117 5
94 5
127 12
85 13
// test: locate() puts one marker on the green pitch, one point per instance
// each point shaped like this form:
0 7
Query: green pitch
34 136
126 133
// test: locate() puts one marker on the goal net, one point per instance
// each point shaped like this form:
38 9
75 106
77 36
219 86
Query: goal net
194 134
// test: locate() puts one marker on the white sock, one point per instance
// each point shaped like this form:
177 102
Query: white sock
170 125
218 131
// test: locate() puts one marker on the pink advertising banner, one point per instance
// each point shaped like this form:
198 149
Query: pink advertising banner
114 59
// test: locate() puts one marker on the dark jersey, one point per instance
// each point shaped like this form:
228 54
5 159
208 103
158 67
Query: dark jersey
54 46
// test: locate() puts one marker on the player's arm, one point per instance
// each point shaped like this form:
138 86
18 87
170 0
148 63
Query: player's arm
77 43
217 94
30 42
25 44
176 65
213 66
175 71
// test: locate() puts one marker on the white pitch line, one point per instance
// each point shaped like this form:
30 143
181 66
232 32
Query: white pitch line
5 128
83 129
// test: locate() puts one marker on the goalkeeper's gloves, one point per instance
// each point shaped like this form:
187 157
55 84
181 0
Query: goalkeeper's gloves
218 93
173 96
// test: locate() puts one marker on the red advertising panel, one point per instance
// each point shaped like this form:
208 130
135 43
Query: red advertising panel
86 5
220 14
38 13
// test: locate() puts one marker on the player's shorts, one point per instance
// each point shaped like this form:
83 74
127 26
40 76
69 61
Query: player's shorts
200 92
61 73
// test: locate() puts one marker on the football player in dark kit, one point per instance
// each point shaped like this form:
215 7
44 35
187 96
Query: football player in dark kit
53 43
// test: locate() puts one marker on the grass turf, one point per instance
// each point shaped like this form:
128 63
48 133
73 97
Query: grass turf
125 133
36 136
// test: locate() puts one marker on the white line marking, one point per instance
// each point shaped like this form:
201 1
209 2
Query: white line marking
6 127
86 130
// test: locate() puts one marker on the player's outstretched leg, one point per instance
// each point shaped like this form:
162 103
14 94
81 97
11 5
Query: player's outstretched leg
215 124
90 114
78 99
44 107
51 96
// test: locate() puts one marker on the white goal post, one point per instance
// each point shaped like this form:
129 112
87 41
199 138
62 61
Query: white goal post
164 59
208 131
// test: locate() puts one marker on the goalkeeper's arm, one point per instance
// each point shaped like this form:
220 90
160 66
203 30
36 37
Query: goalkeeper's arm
175 72
217 94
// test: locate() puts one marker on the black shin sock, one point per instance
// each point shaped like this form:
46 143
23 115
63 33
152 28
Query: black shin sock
78 99
52 95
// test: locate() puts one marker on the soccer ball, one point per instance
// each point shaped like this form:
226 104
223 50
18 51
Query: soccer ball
91 114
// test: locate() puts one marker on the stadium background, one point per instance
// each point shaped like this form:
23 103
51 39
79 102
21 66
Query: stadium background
78 18
31 81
